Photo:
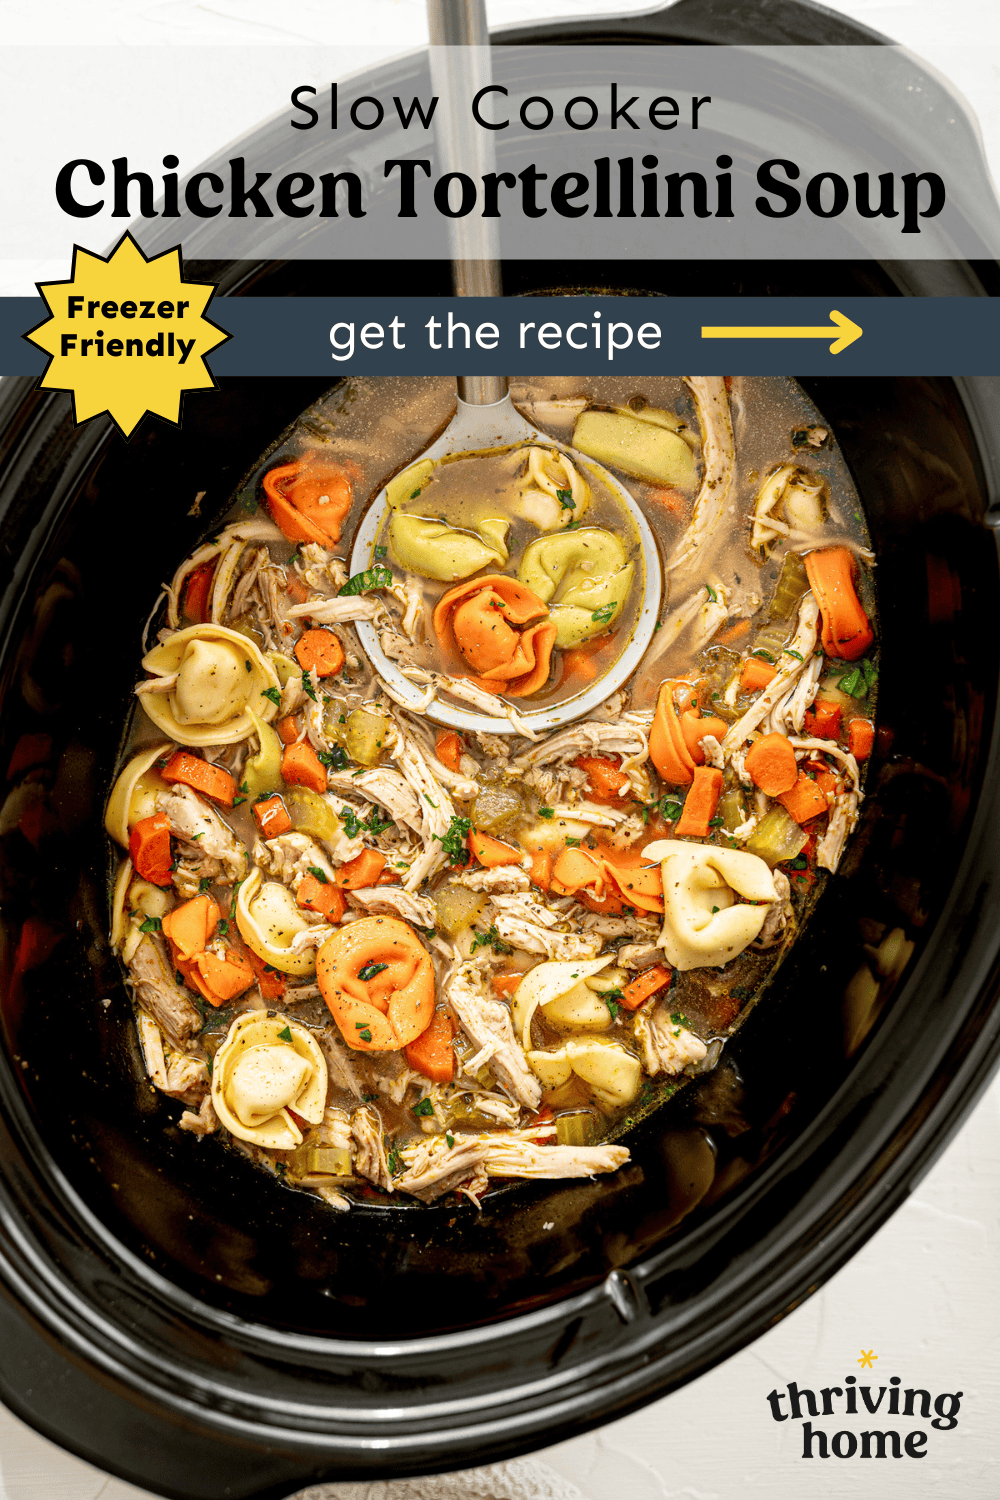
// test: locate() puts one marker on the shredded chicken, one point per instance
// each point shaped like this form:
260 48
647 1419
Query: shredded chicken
487 1024
203 1121
434 1168
718 451
667 1047
338 611
501 879
211 848
392 899
370 1158
174 1073
529 923
158 993
793 662
843 817
777 923
290 857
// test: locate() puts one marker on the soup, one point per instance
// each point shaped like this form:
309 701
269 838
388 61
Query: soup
380 955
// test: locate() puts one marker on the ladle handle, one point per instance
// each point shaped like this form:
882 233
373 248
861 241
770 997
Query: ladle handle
475 268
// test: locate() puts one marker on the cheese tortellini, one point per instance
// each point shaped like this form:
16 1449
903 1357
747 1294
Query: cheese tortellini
555 493
267 1066
269 920
436 550
134 793
562 988
583 577
703 926
613 1073
212 678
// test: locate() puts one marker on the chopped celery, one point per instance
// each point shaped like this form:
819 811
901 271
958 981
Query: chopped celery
364 736
791 585
732 809
496 806
456 908
777 837
335 1159
576 1128
312 814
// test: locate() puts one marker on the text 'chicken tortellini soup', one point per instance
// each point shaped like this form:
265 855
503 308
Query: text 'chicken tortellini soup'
381 955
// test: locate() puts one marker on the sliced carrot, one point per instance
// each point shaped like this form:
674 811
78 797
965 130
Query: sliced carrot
301 766
700 803
504 985
363 870
860 738
327 899
288 730
193 771
197 592
734 633
657 977
771 764
219 979
823 719
756 674
846 631
540 873
805 800
492 852
271 981
828 783
189 927
448 749
694 729
605 775
149 849
320 652
272 819
667 750
432 1054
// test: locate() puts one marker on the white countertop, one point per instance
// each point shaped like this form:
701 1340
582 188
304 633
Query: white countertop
923 1293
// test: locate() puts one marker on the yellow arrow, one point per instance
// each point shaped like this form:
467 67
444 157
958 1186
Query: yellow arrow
840 329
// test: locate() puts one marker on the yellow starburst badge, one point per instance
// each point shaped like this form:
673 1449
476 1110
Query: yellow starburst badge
127 335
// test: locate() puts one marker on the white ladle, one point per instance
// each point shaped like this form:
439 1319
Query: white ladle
485 417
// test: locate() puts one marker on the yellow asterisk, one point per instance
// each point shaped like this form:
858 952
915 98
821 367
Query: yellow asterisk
867 1358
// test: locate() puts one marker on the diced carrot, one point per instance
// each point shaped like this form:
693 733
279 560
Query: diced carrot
504 985
319 651
700 803
295 588
198 591
492 852
288 730
389 877
770 763
432 1054
828 783
805 800
448 749
219 979
671 500
363 870
694 729
189 927
657 977
667 749
846 631
540 873
605 775
823 719
193 771
327 899
271 981
272 819
860 738
734 633
301 766
756 674
149 849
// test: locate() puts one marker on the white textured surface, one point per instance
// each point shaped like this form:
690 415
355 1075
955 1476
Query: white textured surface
923 1293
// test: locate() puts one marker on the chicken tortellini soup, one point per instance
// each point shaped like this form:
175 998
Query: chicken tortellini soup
376 953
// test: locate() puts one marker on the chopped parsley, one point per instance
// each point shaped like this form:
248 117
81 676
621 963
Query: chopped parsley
611 1002
430 799
307 687
491 939
379 577
859 682
565 498
318 874
546 812
379 553
716 822
223 926
365 1035
603 615
392 1159
354 826
369 970
205 884
453 842
797 654
711 593
424 1108
274 694
450 1139
764 655
285 1034
679 1019
572 843
335 759
151 924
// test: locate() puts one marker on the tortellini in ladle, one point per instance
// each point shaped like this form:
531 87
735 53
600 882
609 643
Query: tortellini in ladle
211 678
613 1073
555 493
434 549
267 1066
703 926
583 577
269 919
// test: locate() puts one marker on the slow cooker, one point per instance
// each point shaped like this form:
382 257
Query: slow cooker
184 1322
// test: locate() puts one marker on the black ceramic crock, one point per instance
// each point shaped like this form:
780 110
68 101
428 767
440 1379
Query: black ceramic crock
178 1318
